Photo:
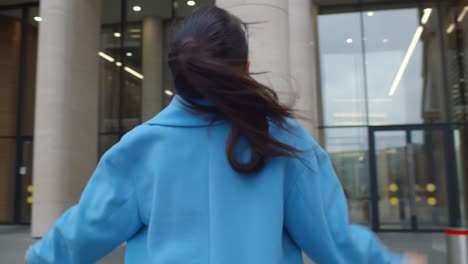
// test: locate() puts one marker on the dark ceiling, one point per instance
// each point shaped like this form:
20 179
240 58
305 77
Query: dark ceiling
16 2
355 2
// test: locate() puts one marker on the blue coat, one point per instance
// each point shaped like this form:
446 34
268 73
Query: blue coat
168 190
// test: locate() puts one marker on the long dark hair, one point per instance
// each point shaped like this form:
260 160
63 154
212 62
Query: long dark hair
209 60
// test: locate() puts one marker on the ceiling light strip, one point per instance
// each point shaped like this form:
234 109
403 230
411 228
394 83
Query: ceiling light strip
426 15
133 72
450 28
462 14
406 59
105 56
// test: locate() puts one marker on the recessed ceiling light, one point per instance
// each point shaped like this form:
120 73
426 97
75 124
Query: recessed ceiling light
105 56
119 64
117 34
370 13
168 92
38 18
349 41
129 54
137 8
462 14
133 72
191 3
409 53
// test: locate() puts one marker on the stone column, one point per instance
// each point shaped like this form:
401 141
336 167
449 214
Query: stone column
268 40
152 67
304 62
66 114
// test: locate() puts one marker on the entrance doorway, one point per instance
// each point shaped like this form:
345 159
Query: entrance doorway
413 178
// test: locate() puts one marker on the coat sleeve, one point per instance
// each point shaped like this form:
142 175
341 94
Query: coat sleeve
106 216
316 217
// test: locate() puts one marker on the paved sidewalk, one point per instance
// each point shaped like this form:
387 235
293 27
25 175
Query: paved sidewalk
14 240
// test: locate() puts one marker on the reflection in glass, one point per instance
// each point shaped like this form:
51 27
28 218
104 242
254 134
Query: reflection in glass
10 45
456 24
17 89
348 152
382 69
341 62
430 181
392 183
411 179
455 21
7 170
120 103
393 66
29 94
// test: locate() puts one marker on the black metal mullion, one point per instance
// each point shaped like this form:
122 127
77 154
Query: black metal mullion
408 136
402 127
19 6
364 61
19 116
373 182
452 186
123 34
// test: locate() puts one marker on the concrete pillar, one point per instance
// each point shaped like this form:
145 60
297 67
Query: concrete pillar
66 115
152 67
304 62
268 40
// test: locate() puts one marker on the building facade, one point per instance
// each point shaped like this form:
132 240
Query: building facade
381 84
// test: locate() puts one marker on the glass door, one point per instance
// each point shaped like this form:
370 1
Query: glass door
410 178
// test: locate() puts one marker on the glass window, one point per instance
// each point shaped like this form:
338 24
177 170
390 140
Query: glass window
342 72
7 170
394 85
10 47
11 29
455 24
382 67
348 150
29 78
121 62
121 76
403 67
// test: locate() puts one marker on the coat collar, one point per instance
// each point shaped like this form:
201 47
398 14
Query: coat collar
178 115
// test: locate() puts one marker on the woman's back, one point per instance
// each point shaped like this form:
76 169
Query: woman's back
168 190
193 201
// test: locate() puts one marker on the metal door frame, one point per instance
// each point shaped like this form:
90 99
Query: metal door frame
450 172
